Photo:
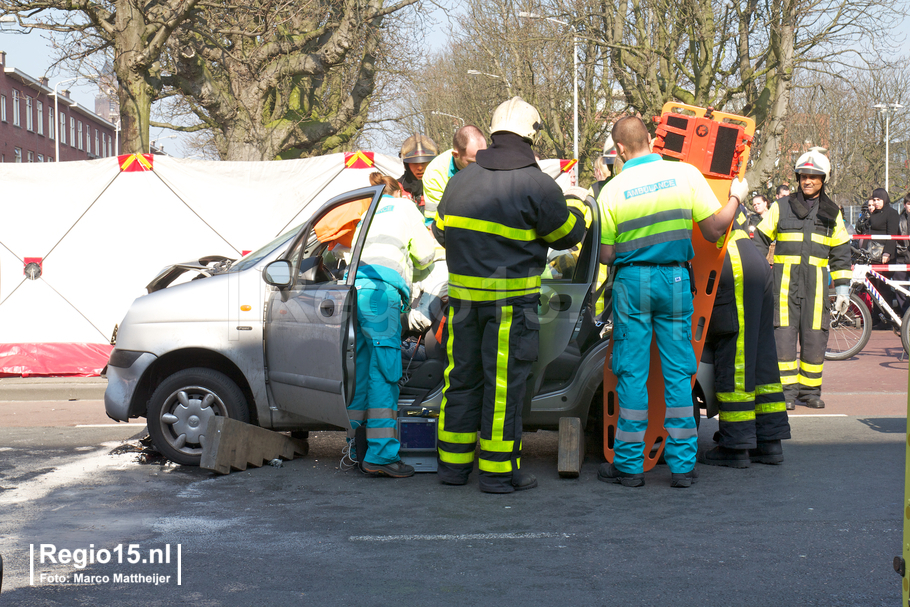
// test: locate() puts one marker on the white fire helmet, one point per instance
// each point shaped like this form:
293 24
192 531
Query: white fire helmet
610 151
516 116
814 162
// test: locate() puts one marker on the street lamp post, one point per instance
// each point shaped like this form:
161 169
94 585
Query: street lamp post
57 113
449 115
886 109
574 70
479 73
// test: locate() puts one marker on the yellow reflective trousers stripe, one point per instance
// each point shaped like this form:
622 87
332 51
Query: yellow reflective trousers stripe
502 377
505 467
456 458
736 416
820 300
736 262
459 438
770 408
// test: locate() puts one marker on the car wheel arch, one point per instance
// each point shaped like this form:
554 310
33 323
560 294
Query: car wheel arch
177 360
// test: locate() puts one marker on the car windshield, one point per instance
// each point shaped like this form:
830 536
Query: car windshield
251 259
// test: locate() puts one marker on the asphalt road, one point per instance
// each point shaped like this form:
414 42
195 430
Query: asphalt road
821 529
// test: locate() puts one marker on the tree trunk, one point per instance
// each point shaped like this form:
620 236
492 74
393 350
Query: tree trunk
136 81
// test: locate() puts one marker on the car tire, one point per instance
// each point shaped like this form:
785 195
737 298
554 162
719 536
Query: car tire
180 409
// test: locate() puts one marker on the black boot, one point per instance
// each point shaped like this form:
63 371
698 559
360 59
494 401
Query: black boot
722 456
767 452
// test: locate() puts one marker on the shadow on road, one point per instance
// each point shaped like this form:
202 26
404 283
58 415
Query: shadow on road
886 425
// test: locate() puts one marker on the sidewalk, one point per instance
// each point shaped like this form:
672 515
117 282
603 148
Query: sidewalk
52 388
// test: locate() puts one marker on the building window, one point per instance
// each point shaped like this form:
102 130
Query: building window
40 157
29 124
72 132
62 127
97 144
31 157
3 108
16 111
80 136
50 123
18 153
39 119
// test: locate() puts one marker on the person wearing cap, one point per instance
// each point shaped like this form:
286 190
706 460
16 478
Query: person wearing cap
812 244
467 141
646 235
416 153
497 219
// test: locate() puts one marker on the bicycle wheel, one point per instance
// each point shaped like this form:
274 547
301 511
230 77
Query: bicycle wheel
849 333
905 331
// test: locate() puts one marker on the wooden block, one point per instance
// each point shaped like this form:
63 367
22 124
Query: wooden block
571 447
230 444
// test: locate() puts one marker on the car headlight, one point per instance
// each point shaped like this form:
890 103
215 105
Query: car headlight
124 358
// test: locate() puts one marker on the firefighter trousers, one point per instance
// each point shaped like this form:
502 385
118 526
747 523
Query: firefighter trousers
490 350
653 300
741 337
807 323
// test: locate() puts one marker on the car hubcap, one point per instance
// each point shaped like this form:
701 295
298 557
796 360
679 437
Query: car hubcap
186 416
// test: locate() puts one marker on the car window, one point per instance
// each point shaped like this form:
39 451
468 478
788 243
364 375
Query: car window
251 259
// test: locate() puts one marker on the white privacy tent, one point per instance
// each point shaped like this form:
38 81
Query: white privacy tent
80 240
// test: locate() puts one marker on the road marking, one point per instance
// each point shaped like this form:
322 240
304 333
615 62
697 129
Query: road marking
458 537
106 425
791 416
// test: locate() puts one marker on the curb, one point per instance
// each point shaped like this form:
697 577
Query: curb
52 388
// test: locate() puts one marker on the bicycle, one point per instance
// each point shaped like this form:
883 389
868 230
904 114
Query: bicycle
850 332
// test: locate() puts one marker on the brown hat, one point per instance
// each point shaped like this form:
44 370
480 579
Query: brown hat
418 148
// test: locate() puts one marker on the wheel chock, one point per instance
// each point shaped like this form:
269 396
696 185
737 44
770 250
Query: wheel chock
231 444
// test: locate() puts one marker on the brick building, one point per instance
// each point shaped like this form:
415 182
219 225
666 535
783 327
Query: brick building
29 130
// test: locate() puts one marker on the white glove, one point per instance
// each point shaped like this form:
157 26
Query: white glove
740 189
842 301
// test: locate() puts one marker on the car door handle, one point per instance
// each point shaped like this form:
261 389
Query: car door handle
560 302
327 307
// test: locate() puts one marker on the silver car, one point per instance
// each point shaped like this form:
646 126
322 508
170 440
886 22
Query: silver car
270 340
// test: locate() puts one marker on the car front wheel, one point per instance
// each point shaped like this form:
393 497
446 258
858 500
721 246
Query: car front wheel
181 407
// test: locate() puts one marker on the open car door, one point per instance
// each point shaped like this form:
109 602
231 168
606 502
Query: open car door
309 330
565 286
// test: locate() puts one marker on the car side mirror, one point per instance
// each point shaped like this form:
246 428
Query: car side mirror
278 273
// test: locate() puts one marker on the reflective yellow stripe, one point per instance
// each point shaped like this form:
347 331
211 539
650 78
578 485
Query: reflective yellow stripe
739 363
491 227
821 301
497 446
808 381
788 379
790 236
789 365
475 295
841 274
735 397
502 375
786 259
440 223
770 388
764 408
493 283
736 416
562 230
809 367
496 467
784 305
828 241
459 438
821 262
456 458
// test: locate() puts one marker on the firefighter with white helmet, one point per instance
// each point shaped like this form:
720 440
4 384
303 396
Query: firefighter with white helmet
812 244
497 218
